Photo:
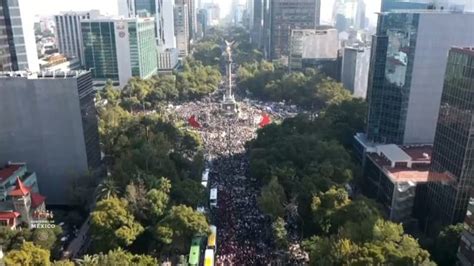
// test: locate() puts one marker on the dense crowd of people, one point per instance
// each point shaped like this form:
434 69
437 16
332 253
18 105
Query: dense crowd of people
244 234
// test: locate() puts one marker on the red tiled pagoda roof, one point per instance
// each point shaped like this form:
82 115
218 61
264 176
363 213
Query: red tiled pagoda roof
9 215
20 190
37 199
8 171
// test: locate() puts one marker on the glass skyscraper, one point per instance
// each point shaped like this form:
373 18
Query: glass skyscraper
453 151
389 82
285 15
99 49
17 39
147 5
407 66
118 49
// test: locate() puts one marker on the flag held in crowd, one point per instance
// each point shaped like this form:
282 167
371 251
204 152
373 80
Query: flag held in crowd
193 122
265 120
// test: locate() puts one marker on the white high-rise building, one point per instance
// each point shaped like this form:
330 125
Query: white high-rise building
355 70
168 24
349 14
181 24
69 34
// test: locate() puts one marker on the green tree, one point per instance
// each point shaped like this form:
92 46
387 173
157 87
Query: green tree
63 263
110 94
28 254
112 225
159 198
209 53
446 245
136 196
116 257
280 233
384 244
326 205
272 199
47 238
179 225
107 189
344 120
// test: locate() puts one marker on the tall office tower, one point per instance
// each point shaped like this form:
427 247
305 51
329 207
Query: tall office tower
159 20
143 9
5 35
249 5
52 126
168 24
181 27
69 34
286 15
256 32
355 70
126 8
192 19
407 66
202 23
451 5
315 48
148 6
214 13
17 38
349 14
118 49
235 12
454 142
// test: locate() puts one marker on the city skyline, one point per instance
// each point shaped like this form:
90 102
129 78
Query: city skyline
52 7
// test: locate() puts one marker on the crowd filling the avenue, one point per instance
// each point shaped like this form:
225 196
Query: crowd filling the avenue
243 237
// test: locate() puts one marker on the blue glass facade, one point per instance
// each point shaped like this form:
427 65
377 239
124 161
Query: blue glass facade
393 52
453 150
100 50
145 5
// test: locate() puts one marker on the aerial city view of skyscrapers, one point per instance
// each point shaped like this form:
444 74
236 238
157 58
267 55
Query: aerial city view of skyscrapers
237 132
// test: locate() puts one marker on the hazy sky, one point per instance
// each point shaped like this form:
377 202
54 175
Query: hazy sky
51 7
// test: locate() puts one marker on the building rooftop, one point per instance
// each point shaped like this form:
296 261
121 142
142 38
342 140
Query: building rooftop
43 75
426 11
407 163
9 215
8 171
393 153
37 199
464 50
117 19
20 189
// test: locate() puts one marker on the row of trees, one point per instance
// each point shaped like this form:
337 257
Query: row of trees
48 239
31 254
308 89
138 208
304 165
195 81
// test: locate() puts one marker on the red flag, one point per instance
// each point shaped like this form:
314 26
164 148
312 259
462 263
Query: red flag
193 122
265 120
